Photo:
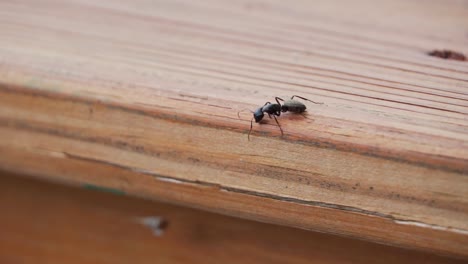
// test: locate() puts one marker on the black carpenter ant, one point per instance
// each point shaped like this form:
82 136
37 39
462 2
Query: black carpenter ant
270 109
292 105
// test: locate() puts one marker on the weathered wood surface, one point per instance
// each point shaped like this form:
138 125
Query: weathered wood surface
48 223
142 96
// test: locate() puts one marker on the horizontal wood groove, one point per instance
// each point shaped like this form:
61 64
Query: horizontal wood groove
255 60
443 163
233 34
259 194
235 190
142 150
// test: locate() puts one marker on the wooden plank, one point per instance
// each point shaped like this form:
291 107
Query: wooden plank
49 223
143 97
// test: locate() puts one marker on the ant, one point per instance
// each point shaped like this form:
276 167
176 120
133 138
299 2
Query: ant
292 105
270 109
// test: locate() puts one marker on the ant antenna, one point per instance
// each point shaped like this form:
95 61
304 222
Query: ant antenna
242 111
251 120
251 125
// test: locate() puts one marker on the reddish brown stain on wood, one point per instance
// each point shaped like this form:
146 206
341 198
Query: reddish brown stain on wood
448 54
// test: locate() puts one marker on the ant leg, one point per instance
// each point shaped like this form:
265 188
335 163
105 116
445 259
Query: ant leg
279 126
304 99
277 98
281 106
251 125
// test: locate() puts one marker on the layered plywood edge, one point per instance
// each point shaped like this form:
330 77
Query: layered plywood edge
143 99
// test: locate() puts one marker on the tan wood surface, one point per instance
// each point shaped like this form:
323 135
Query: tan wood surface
142 96
46 223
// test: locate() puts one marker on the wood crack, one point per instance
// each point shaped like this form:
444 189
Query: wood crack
220 187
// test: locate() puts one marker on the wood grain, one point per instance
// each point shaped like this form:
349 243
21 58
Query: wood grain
143 97
48 223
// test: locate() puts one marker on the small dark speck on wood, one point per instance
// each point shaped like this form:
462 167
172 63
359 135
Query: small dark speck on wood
447 54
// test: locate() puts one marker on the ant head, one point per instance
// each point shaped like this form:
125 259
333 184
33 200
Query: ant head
258 115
